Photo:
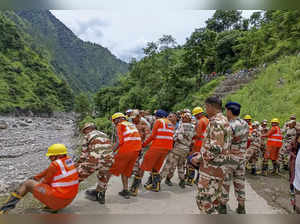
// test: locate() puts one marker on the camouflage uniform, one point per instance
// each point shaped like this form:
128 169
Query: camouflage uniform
96 155
212 161
289 138
145 132
236 161
253 151
177 157
263 131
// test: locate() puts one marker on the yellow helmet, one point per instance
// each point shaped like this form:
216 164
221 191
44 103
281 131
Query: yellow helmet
248 117
117 115
197 110
275 120
57 149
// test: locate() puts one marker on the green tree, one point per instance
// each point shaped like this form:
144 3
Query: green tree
83 104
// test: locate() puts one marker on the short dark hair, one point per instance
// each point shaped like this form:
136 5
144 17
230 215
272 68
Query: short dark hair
214 101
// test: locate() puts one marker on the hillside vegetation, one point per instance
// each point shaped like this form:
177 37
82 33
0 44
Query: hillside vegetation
275 93
27 80
172 77
86 66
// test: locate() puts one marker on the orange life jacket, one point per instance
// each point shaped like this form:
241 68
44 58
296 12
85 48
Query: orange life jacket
276 138
131 138
65 182
199 139
164 135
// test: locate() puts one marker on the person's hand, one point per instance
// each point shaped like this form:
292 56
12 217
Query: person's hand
194 160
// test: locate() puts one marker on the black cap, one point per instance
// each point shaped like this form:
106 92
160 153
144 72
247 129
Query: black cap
233 105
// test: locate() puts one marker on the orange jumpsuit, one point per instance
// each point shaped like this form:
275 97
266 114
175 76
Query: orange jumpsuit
274 143
200 130
162 143
59 184
128 147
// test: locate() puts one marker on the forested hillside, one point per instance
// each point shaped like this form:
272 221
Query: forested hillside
275 93
27 80
86 66
172 76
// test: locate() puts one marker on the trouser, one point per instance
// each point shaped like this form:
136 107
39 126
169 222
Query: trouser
283 159
96 162
173 161
208 196
253 160
136 168
236 173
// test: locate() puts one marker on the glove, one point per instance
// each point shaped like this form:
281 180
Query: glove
189 160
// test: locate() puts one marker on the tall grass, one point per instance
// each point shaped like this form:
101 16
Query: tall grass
267 97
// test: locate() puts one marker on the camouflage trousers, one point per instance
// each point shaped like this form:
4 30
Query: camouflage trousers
254 158
173 161
236 168
209 192
283 158
96 162
136 168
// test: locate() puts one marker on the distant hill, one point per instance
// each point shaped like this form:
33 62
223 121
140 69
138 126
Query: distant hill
27 80
86 66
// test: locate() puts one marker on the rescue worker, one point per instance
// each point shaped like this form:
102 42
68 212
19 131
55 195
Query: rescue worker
162 142
96 155
127 149
248 119
285 126
212 157
274 144
201 125
289 138
236 161
177 157
263 130
254 149
56 187
144 131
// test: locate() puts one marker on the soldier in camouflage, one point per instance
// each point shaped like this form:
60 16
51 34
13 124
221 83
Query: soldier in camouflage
236 160
96 154
212 157
253 151
177 157
289 137
144 131
263 128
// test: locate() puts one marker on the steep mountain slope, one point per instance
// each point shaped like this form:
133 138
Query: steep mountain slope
86 66
275 93
27 80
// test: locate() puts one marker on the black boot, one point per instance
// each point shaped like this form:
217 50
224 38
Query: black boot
92 194
135 186
148 184
240 210
168 182
182 183
253 171
101 197
11 203
156 182
222 209
125 194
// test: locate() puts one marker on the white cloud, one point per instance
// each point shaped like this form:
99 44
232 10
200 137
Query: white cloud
126 32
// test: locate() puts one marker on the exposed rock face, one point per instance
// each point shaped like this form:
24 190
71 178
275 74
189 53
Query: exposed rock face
24 142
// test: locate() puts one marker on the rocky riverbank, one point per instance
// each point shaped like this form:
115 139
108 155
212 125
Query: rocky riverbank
24 142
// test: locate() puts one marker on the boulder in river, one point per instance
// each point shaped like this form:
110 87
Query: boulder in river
3 125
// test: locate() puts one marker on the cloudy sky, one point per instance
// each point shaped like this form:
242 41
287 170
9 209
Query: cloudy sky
126 32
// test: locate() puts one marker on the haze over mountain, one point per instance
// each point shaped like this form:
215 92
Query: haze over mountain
85 65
